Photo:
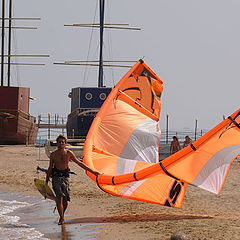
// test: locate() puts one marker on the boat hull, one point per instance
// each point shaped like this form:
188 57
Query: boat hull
78 125
16 129
16 125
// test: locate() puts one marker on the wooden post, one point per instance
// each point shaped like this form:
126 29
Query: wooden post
62 124
39 119
167 129
26 138
48 125
39 146
196 122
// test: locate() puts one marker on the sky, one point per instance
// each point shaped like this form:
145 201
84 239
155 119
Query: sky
193 46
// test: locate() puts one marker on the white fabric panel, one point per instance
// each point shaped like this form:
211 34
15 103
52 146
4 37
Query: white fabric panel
141 146
213 173
127 191
125 166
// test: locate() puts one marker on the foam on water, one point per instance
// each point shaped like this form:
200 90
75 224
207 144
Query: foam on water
10 227
27 217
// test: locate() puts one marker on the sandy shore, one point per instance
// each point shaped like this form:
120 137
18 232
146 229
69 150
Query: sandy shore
202 216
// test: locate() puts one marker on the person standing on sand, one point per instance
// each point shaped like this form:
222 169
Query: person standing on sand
59 171
187 141
175 146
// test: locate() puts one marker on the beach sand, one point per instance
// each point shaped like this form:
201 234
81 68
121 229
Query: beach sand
203 215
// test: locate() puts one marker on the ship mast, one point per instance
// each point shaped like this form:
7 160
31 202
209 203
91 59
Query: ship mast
2 55
100 63
9 55
101 11
9 40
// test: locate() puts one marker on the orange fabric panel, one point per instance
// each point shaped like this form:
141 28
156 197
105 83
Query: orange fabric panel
105 164
141 90
109 135
159 189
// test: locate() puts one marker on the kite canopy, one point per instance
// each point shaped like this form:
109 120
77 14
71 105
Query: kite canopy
123 144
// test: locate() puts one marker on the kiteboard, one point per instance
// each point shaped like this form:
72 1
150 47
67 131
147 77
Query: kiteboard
44 189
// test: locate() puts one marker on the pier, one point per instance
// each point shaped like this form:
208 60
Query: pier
51 125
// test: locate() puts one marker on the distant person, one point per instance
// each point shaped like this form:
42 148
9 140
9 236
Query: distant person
179 236
59 171
175 146
187 141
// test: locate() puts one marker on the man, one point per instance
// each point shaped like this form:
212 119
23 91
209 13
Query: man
59 171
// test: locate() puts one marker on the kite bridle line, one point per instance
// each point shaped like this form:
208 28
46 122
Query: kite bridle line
235 124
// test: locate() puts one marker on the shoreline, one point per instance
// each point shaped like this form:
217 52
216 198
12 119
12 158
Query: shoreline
202 216
37 220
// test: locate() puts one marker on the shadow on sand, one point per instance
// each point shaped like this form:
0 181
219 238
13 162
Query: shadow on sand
134 218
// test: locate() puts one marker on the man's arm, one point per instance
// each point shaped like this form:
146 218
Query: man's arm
49 171
82 165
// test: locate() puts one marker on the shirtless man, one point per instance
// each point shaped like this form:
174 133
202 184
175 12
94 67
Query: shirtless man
59 171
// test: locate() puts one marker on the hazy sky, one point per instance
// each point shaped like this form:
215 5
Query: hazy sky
192 45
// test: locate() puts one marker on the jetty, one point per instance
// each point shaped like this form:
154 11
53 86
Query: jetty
51 122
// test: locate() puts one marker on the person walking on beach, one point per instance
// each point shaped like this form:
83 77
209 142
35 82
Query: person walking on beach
187 141
175 146
59 171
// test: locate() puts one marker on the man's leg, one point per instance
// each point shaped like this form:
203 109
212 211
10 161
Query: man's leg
65 205
61 210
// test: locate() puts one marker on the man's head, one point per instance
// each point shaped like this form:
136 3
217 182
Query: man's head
61 141
179 236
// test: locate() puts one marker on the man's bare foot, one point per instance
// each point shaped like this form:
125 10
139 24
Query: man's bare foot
61 221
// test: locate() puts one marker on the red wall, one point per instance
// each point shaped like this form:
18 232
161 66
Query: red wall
14 98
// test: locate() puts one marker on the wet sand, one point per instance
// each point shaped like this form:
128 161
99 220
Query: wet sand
37 218
202 216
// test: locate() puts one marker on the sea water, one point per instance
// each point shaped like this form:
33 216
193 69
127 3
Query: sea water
27 217
10 225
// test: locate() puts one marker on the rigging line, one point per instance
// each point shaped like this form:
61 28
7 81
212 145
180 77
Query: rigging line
234 122
86 71
110 43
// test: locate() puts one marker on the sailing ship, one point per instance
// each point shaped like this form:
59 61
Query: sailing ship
86 101
17 126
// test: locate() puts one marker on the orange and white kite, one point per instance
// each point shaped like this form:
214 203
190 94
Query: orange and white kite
123 144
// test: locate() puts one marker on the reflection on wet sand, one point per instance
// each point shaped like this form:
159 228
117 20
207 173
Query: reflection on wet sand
65 233
135 218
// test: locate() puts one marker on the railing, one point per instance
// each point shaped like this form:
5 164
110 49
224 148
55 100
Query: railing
51 126
167 136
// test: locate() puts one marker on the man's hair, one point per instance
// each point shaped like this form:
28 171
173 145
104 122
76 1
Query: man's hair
61 136
179 236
